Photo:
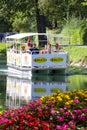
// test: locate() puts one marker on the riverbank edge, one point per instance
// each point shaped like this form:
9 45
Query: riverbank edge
79 64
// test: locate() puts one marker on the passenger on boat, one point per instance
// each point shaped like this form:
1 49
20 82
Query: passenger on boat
23 49
44 50
31 47
34 49
14 48
57 48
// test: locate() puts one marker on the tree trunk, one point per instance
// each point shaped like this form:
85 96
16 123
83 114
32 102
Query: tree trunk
55 23
41 27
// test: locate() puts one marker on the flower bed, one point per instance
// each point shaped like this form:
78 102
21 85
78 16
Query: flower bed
61 111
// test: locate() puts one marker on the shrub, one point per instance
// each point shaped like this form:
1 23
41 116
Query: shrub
77 30
60 111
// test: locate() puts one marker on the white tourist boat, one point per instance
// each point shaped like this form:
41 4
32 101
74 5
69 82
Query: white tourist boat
25 63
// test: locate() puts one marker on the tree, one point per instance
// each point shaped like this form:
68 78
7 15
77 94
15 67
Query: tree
4 16
27 12
41 26
36 15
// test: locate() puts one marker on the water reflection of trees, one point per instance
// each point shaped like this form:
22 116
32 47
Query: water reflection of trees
78 82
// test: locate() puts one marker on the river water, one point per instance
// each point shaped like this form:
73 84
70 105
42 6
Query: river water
16 91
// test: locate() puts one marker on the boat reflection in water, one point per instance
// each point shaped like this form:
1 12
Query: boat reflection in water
21 91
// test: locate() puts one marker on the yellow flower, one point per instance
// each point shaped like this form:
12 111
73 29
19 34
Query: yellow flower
76 97
67 103
67 97
42 98
59 98
85 99
85 96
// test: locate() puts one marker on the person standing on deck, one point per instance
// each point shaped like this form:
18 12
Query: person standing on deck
28 42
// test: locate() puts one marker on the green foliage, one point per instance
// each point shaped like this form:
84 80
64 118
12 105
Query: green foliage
1 108
77 30
84 31
2 48
23 17
84 3
22 23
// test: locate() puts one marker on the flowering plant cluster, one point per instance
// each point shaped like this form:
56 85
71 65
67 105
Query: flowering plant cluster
60 111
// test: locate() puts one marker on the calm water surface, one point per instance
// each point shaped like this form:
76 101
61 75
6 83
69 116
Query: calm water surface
16 91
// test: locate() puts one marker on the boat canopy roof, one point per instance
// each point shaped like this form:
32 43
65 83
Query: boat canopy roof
23 35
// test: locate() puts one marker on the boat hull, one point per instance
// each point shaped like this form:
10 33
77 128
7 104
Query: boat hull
29 72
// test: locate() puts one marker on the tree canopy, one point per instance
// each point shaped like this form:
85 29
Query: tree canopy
38 15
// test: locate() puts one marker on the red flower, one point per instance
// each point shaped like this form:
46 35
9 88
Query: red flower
34 129
21 127
10 121
30 124
36 123
30 117
41 114
45 126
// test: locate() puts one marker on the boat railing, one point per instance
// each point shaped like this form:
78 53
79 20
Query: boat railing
27 59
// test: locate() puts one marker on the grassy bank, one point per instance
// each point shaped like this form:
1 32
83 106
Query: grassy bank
77 53
77 70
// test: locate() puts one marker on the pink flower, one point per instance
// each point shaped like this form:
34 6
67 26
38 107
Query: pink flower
60 118
79 111
76 101
85 109
67 113
39 109
61 109
82 117
72 124
52 111
74 116
65 126
58 127
74 111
